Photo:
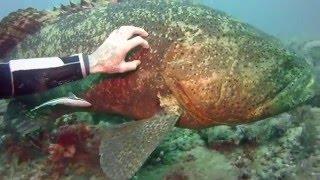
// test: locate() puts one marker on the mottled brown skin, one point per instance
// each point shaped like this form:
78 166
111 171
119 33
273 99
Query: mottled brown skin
132 94
216 69
15 27
199 93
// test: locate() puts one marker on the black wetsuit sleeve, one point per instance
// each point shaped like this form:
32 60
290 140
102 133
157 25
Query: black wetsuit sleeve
27 76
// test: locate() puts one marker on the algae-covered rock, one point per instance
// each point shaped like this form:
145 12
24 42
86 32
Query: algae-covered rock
283 147
268 129
198 163
279 159
259 132
175 145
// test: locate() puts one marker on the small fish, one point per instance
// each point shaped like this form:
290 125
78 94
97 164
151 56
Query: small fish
72 101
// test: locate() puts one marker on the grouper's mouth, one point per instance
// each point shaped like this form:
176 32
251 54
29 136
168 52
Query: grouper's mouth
300 90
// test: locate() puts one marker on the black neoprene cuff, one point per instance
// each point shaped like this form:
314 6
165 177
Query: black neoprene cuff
86 64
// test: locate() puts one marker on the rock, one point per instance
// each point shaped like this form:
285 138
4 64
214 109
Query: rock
3 107
196 164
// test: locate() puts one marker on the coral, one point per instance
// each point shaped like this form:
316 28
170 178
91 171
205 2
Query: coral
277 160
3 109
285 146
74 143
281 156
266 130
222 138
197 163
174 145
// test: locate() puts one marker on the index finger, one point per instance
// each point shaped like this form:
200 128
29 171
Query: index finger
134 42
129 31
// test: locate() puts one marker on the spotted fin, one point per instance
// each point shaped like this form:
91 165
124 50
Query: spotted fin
125 148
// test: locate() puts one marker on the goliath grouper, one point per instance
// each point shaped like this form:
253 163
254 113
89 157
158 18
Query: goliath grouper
204 69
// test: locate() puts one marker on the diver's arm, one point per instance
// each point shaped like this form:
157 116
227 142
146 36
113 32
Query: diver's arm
26 76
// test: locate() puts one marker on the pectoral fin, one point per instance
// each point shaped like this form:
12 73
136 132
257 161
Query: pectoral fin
126 147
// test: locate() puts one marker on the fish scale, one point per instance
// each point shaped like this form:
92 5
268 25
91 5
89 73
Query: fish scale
250 67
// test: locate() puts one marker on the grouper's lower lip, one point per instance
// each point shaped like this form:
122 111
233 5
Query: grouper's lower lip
295 94
292 95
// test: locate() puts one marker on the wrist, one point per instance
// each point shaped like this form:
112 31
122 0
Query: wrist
92 64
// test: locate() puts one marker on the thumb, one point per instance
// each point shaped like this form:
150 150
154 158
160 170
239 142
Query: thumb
129 66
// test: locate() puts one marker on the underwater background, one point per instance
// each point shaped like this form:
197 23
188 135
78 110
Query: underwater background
286 146
281 18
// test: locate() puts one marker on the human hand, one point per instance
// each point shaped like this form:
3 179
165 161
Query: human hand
110 56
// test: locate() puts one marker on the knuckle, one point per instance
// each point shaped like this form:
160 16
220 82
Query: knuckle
144 41
121 69
141 29
130 27
121 29
139 38
124 28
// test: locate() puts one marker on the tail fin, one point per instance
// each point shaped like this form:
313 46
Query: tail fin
125 148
